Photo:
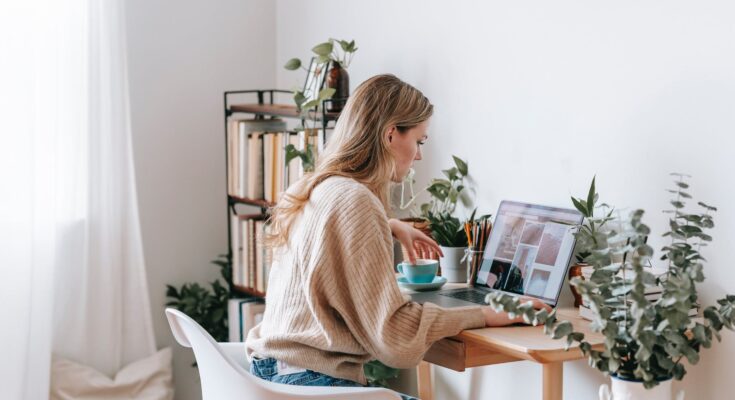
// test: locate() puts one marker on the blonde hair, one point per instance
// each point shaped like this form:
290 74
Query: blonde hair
358 148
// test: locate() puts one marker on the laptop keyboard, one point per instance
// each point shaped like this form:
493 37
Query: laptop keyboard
473 296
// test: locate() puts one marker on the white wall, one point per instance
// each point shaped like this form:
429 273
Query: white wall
539 96
182 56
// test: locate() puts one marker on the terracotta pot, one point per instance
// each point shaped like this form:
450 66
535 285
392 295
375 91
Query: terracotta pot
339 80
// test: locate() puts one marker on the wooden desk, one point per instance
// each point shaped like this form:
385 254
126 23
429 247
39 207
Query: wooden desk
489 346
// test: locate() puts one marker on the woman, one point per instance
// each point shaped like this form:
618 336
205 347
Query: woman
333 302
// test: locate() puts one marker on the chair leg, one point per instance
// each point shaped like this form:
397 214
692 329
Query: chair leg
425 384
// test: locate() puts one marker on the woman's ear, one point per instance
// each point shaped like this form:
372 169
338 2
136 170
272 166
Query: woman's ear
389 133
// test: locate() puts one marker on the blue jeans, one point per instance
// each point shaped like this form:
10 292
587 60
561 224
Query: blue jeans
266 369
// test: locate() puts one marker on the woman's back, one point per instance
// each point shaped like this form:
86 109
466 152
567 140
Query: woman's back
333 303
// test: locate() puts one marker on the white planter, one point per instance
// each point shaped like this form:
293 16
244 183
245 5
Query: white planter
451 264
633 390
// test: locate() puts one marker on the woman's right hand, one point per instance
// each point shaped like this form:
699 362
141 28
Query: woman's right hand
495 318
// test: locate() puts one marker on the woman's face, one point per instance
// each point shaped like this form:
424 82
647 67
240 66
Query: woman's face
406 147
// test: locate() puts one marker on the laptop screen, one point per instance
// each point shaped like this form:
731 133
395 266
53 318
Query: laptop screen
529 250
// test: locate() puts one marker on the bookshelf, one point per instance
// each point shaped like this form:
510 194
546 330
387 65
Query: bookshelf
259 105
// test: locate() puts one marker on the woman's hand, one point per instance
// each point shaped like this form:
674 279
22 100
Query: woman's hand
494 318
413 240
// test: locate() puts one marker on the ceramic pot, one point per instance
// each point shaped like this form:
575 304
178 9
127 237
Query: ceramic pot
451 264
339 80
633 390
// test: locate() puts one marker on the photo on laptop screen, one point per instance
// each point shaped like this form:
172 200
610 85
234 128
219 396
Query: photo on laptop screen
529 250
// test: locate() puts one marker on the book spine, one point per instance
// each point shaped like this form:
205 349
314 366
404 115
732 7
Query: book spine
241 162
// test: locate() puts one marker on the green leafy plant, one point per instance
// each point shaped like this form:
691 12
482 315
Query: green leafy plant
377 373
324 53
644 340
595 229
206 306
308 160
446 229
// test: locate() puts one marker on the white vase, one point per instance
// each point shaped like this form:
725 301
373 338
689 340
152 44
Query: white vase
634 390
451 264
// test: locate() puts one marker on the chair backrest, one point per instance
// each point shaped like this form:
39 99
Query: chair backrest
221 377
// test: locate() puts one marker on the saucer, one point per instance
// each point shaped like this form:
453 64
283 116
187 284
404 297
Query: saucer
438 282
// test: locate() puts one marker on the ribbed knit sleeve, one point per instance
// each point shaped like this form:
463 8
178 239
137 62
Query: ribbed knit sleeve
358 281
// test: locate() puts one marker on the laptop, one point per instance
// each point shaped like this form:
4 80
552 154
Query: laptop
528 253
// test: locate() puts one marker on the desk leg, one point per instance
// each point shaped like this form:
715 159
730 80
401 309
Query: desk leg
553 381
425 385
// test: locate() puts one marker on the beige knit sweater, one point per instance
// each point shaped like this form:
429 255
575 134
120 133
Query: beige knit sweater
333 303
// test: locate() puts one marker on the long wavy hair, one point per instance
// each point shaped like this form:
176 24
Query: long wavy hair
358 147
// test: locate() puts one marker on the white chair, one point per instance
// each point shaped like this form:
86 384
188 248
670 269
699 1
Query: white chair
225 374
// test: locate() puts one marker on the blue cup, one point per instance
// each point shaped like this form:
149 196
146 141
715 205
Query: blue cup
423 271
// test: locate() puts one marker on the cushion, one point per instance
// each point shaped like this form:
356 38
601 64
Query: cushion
149 378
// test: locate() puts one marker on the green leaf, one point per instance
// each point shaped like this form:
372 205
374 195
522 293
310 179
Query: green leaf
451 173
323 49
591 197
299 98
461 166
326 93
310 104
564 328
580 207
293 64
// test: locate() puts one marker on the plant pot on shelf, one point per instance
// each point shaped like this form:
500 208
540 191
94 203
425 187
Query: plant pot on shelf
451 264
634 390
339 80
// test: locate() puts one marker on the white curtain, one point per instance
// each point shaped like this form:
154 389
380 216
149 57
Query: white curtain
72 274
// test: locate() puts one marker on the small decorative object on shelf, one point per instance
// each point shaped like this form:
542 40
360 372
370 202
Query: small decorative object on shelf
648 339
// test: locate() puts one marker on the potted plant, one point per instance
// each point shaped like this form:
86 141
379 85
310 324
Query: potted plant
646 341
445 228
337 59
593 227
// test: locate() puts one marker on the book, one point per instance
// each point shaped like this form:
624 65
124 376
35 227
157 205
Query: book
236 244
255 166
260 256
268 165
242 159
243 315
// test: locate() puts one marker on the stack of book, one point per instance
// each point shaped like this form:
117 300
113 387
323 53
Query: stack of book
652 293
251 260
256 154
238 131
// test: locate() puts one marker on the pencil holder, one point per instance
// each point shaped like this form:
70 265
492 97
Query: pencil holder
474 261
